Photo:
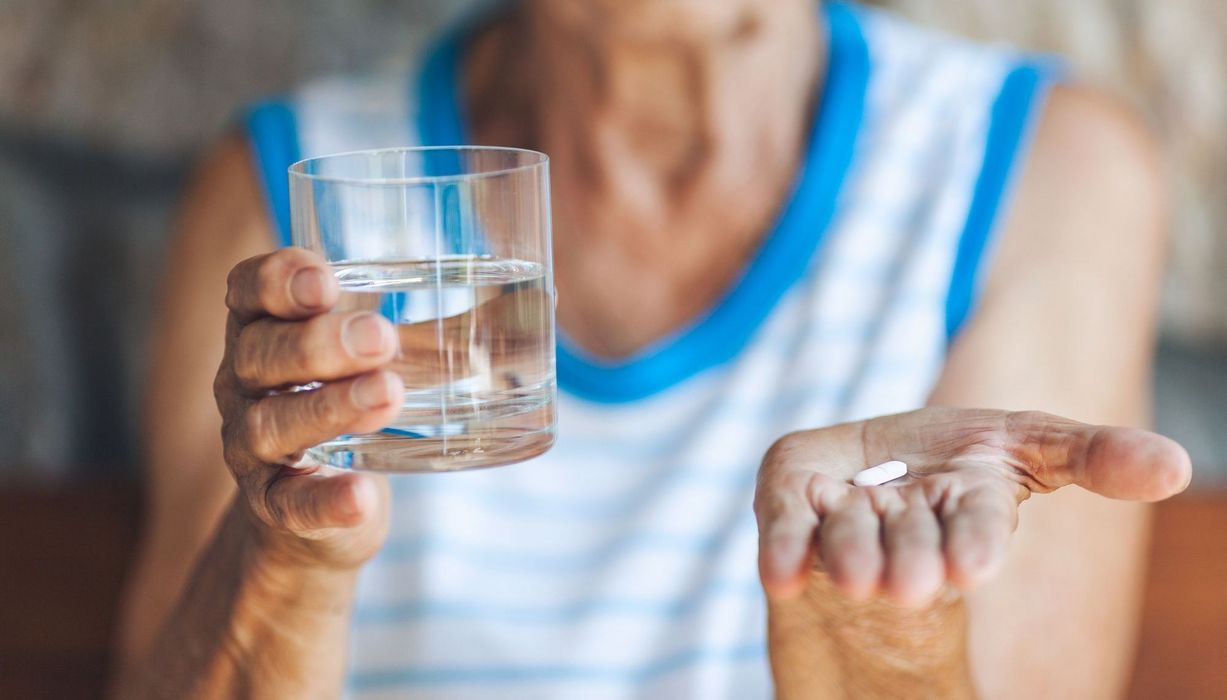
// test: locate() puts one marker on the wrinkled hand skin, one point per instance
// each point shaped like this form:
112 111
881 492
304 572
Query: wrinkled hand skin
280 334
265 610
826 646
864 584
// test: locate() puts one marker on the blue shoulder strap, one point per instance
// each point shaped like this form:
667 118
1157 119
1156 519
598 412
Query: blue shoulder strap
782 260
274 142
1014 116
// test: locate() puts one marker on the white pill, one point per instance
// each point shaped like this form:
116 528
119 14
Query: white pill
887 471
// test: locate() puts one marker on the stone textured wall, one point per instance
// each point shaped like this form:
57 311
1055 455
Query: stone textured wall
157 77
81 237
103 104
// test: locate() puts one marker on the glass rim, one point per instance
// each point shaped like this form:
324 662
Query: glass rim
539 160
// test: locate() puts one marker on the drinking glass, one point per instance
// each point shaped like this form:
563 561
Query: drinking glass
452 245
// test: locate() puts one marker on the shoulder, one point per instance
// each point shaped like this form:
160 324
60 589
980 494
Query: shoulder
1094 142
1075 281
224 193
222 217
1066 320
1091 192
226 165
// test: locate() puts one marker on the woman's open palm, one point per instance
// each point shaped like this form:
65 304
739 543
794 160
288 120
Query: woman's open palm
950 519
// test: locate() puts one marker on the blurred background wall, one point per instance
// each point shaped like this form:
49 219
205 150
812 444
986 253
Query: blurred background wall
104 105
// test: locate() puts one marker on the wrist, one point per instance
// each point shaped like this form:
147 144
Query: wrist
280 587
919 639
281 593
277 564
824 645
277 554
250 622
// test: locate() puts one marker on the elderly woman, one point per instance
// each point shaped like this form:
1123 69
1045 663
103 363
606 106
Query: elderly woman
791 241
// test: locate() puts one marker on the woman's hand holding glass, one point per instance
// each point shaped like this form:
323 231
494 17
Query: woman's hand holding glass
280 335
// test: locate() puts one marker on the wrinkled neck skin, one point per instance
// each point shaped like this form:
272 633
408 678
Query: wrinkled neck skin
675 130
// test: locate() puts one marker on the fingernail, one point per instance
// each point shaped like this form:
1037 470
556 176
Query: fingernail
366 335
371 391
307 287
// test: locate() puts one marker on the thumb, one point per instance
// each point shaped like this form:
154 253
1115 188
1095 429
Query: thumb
1123 463
303 502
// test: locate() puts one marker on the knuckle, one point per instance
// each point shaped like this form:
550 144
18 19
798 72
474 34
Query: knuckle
234 454
328 410
234 448
267 353
859 499
1019 424
269 281
308 349
234 284
306 510
255 490
784 492
262 432
1030 416
767 504
272 507
248 363
783 448
223 386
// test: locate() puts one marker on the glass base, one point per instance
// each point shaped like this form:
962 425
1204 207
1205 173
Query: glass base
399 453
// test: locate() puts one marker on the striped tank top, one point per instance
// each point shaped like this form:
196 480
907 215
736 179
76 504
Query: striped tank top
622 563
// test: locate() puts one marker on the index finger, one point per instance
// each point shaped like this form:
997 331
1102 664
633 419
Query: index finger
799 473
291 284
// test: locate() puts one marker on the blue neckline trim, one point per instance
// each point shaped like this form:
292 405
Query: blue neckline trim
1013 116
783 259
724 331
274 135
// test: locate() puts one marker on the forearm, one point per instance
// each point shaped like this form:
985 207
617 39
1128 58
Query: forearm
825 646
1075 564
248 624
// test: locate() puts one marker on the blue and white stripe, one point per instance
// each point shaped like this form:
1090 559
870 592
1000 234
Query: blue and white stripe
622 563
